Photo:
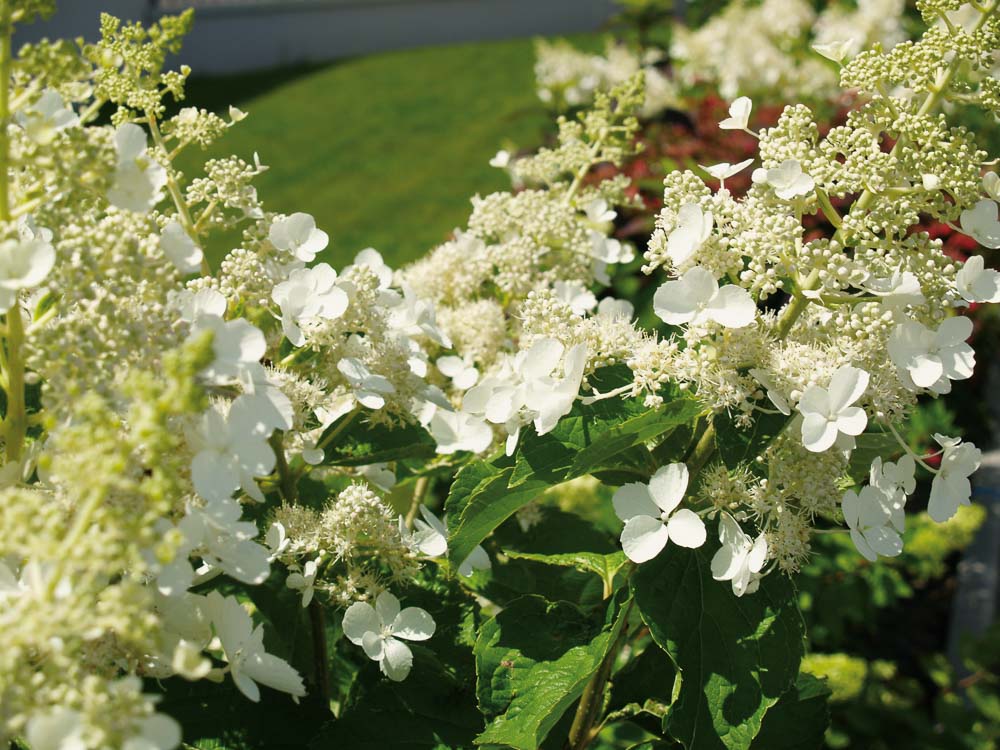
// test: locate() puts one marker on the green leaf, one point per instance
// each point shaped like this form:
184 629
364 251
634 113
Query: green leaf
361 443
736 655
870 445
799 719
533 661
486 493
605 566
738 446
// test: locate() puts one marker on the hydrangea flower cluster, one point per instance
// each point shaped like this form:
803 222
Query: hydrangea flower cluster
177 435
773 50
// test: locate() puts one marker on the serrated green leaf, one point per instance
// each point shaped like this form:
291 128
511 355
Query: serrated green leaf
361 443
736 655
738 446
533 661
604 566
799 719
486 493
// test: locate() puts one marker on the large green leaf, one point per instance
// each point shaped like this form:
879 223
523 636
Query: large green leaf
533 661
486 493
799 719
360 442
736 655
738 446
604 566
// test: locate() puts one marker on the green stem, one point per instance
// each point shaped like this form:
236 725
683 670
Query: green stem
175 191
581 732
419 492
286 481
317 622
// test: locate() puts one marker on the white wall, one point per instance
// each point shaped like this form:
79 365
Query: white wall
230 39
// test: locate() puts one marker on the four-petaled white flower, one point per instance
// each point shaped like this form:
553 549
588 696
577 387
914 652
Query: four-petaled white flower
828 412
23 264
895 481
696 298
739 114
139 179
932 359
609 250
378 630
976 283
232 450
463 375
870 521
951 487
237 345
981 224
787 179
652 517
308 294
305 580
298 235
179 248
412 316
898 290
580 299
369 389
243 646
47 116
691 231
740 558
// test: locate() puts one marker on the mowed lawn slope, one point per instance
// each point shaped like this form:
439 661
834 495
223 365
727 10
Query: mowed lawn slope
385 151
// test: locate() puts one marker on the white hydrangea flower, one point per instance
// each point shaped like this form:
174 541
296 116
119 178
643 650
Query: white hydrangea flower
238 346
724 170
787 179
305 581
23 264
57 729
217 534
180 248
298 235
580 299
430 538
828 412
895 481
774 395
652 517
932 359
898 290
232 450
501 159
194 305
608 250
47 116
740 558
307 295
379 475
598 212
951 487
378 631
455 431
739 114
371 259
991 184
870 522
692 230
981 223
696 298
156 732
836 51
139 179
463 375
369 389
976 283
277 541
413 317
609 307
243 645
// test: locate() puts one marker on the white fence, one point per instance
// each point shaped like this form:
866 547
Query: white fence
240 35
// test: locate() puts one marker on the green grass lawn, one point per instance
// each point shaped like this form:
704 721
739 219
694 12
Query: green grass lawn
385 151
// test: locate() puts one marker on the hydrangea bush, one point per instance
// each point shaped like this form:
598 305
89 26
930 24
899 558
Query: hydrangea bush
223 486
